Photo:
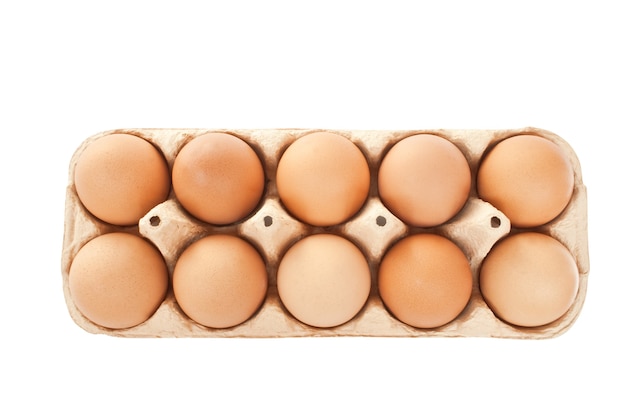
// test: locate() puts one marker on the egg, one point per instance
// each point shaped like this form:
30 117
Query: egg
424 180
528 178
218 178
220 281
120 177
323 280
529 279
118 280
323 178
425 280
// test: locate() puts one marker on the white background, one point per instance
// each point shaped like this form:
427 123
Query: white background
70 70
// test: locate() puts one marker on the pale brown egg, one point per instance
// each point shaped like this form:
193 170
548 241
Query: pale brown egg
218 178
323 178
118 280
324 280
425 280
529 279
424 180
120 177
220 281
528 178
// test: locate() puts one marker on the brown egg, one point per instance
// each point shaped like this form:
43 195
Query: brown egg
218 178
324 280
220 281
529 279
528 178
118 280
323 179
120 177
424 180
425 280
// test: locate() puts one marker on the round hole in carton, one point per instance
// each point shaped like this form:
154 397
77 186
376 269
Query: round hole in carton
495 222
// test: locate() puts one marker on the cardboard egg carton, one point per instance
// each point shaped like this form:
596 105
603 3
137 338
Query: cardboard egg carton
272 230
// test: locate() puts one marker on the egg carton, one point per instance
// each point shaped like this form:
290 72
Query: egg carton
272 230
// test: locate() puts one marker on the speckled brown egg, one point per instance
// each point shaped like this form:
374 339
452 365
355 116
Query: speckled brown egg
529 178
218 178
424 180
118 280
425 280
323 178
120 177
529 279
220 281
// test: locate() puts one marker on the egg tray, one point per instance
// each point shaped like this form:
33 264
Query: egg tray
272 230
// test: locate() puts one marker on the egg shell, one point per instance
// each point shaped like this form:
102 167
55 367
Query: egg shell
528 177
118 280
424 180
218 178
529 279
272 229
119 177
425 280
220 281
323 280
323 179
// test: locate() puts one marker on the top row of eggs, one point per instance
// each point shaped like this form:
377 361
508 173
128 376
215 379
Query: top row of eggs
323 179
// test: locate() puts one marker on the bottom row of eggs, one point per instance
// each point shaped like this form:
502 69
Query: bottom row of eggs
119 280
